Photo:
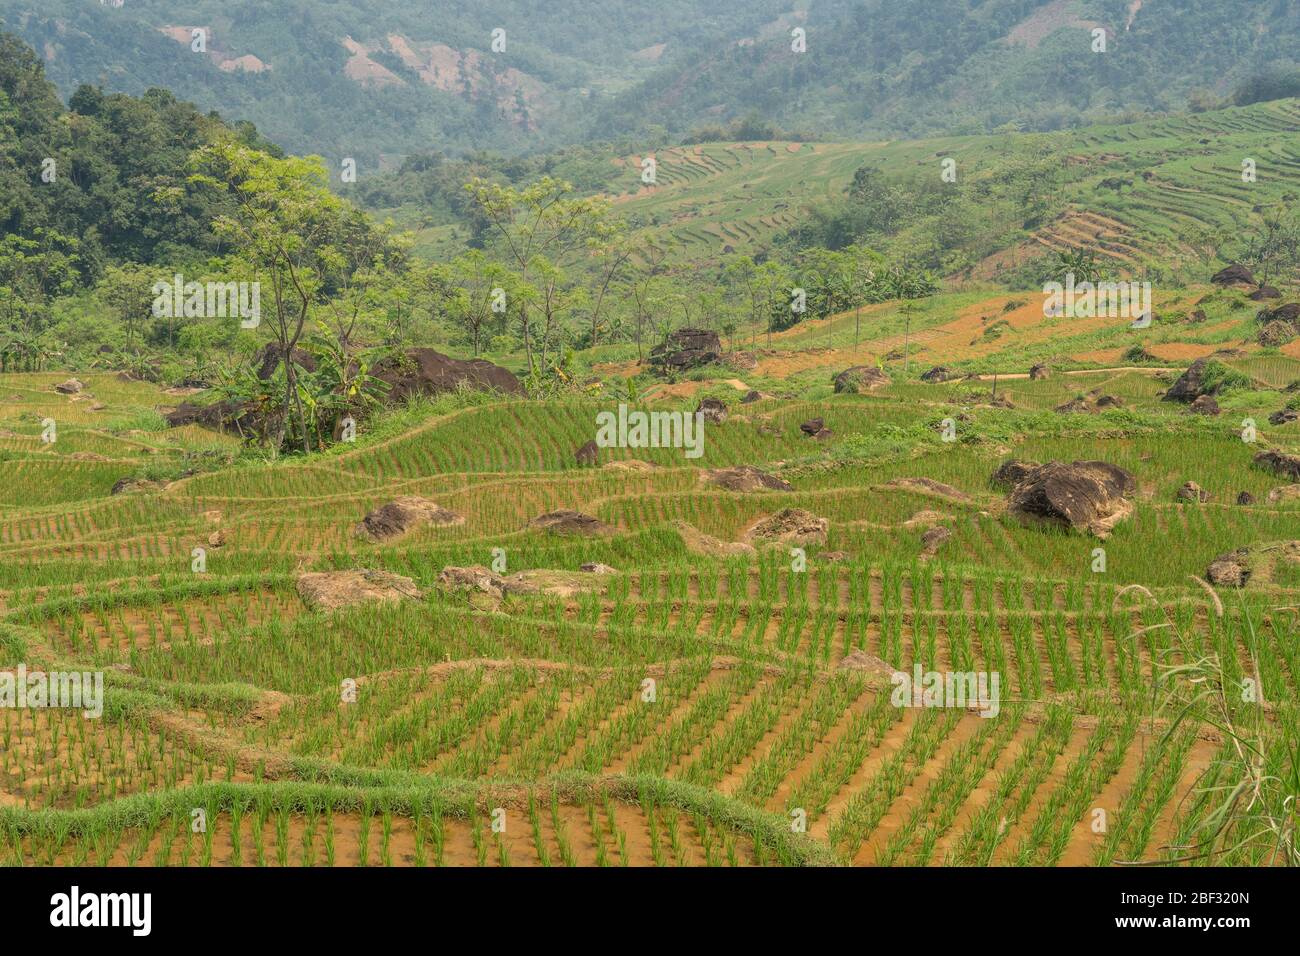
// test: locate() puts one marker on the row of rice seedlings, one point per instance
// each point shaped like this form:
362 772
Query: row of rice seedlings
834 769
866 808
1015 788
933 815
728 747
685 733
544 751
1130 827
1047 839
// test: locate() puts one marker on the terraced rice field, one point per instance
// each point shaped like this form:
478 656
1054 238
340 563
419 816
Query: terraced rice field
686 708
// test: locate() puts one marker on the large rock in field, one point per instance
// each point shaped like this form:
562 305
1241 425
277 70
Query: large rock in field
860 378
686 349
70 387
789 526
933 540
713 409
1258 564
1235 275
1276 333
587 455
402 515
327 590
1089 496
1231 570
1039 372
1191 491
1283 416
744 478
133 485
569 524
1265 292
424 371
1289 313
938 374
1190 385
1010 473
1204 405
1279 463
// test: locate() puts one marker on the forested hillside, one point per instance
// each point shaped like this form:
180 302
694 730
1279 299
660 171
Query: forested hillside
376 81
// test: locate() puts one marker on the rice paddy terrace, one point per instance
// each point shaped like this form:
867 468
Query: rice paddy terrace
700 703
1140 194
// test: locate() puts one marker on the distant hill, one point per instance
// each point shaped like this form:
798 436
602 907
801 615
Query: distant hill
380 79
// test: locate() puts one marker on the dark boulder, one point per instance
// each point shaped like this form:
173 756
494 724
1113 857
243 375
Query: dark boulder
1089 496
1204 405
1234 275
587 454
1039 371
424 371
1010 473
940 373
1279 463
1283 415
1265 292
713 409
1245 498
687 348
860 378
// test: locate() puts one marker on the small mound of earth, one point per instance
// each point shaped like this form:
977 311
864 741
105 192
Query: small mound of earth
928 486
595 567
1283 416
1279 463
1204 405
791 526
860 378
860 660
561 584
1191 491
402 515
1091 496
933 540
925 519
629 464
697 542
328 590
571 523
124 486
1284 493
1010 473
744 478
1259 564
1276 333
70 387
217 539
86 456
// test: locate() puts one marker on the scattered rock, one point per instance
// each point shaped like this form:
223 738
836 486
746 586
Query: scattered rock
217 539
130 485
1279 463
1191 491
1289 313
744 478
933 540
1234 275
1090 404
1232 569
741 361
70 387
812 427
698 542
790 525
569 523
1190 385
1276 333
940 373
587 454
402 515
1039 372
686 349
750 397
1204 405
472 578
1265 292
713 409
1091 496
1283 415
860 378
1009 473
1245 498
327 590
